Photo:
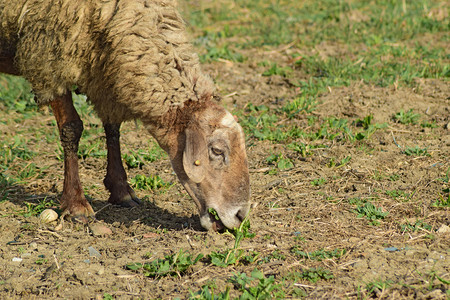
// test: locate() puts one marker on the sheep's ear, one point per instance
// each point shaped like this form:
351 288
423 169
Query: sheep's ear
195 155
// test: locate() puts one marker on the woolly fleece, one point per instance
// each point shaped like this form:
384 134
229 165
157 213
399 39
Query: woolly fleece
130 57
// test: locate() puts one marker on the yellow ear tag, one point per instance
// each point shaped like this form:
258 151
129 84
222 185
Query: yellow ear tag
197 162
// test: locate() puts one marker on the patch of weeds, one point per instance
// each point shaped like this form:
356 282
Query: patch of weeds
136 159
416 226
443 200
143 182
339 164
215 53
395 194
132 161
408 117
41 261
377 286
107 296
276 70
304 149
232 256
17 148
416 151
318 255
275 255
34 209
313 275
281 162
300 104
370 212
318 182
257 286
430 279
394 177
30 170
92 148
171 265
426 124
356 201
368 127
208 293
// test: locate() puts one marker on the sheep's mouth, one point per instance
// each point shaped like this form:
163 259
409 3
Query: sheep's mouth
216 223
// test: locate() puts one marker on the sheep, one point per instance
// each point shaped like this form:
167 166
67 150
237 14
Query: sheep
133 60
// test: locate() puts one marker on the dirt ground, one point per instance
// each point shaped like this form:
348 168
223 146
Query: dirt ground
288 210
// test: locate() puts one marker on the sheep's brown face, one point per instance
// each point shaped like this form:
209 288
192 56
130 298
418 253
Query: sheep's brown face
214 168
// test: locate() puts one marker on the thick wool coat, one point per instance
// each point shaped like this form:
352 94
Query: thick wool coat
130 57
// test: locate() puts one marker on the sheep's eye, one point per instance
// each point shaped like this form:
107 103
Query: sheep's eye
216 151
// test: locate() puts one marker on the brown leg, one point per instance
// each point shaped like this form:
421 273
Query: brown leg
116 178
70 127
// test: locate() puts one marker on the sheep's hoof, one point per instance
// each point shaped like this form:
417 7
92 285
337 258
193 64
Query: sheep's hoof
80 213
128 200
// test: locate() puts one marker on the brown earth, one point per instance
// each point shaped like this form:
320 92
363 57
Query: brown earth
288 210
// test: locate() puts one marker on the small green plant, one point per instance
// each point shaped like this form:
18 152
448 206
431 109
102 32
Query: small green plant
395 194
143 182
217 53
232 256
41 261
170 265
312 275
275 255
426 124
356 201
107 296
208 293
443 200
34 209
371 212
416 226
416 151
318 255
132 161
298 105
394 177
280 161
276 70
257 286
318 181
339 164
408 117
304 149
379 285
214 213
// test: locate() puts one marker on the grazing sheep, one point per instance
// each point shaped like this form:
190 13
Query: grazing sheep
133 61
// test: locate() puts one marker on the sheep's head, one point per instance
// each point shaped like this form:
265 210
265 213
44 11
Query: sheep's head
211 163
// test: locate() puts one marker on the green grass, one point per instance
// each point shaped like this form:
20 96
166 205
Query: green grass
318 255
170 265
370 212
312 275
311 22
142 182
408 117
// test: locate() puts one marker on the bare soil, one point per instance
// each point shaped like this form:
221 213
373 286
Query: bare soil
287 209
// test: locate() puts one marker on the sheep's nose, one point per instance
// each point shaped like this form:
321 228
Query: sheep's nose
241 214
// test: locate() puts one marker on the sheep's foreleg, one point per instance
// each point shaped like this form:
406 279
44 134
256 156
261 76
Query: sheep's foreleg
70 127
116 178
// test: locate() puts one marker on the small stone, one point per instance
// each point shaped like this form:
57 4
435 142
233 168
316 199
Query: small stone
99 229
101 271
93 252
33 246
16 259
444 229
